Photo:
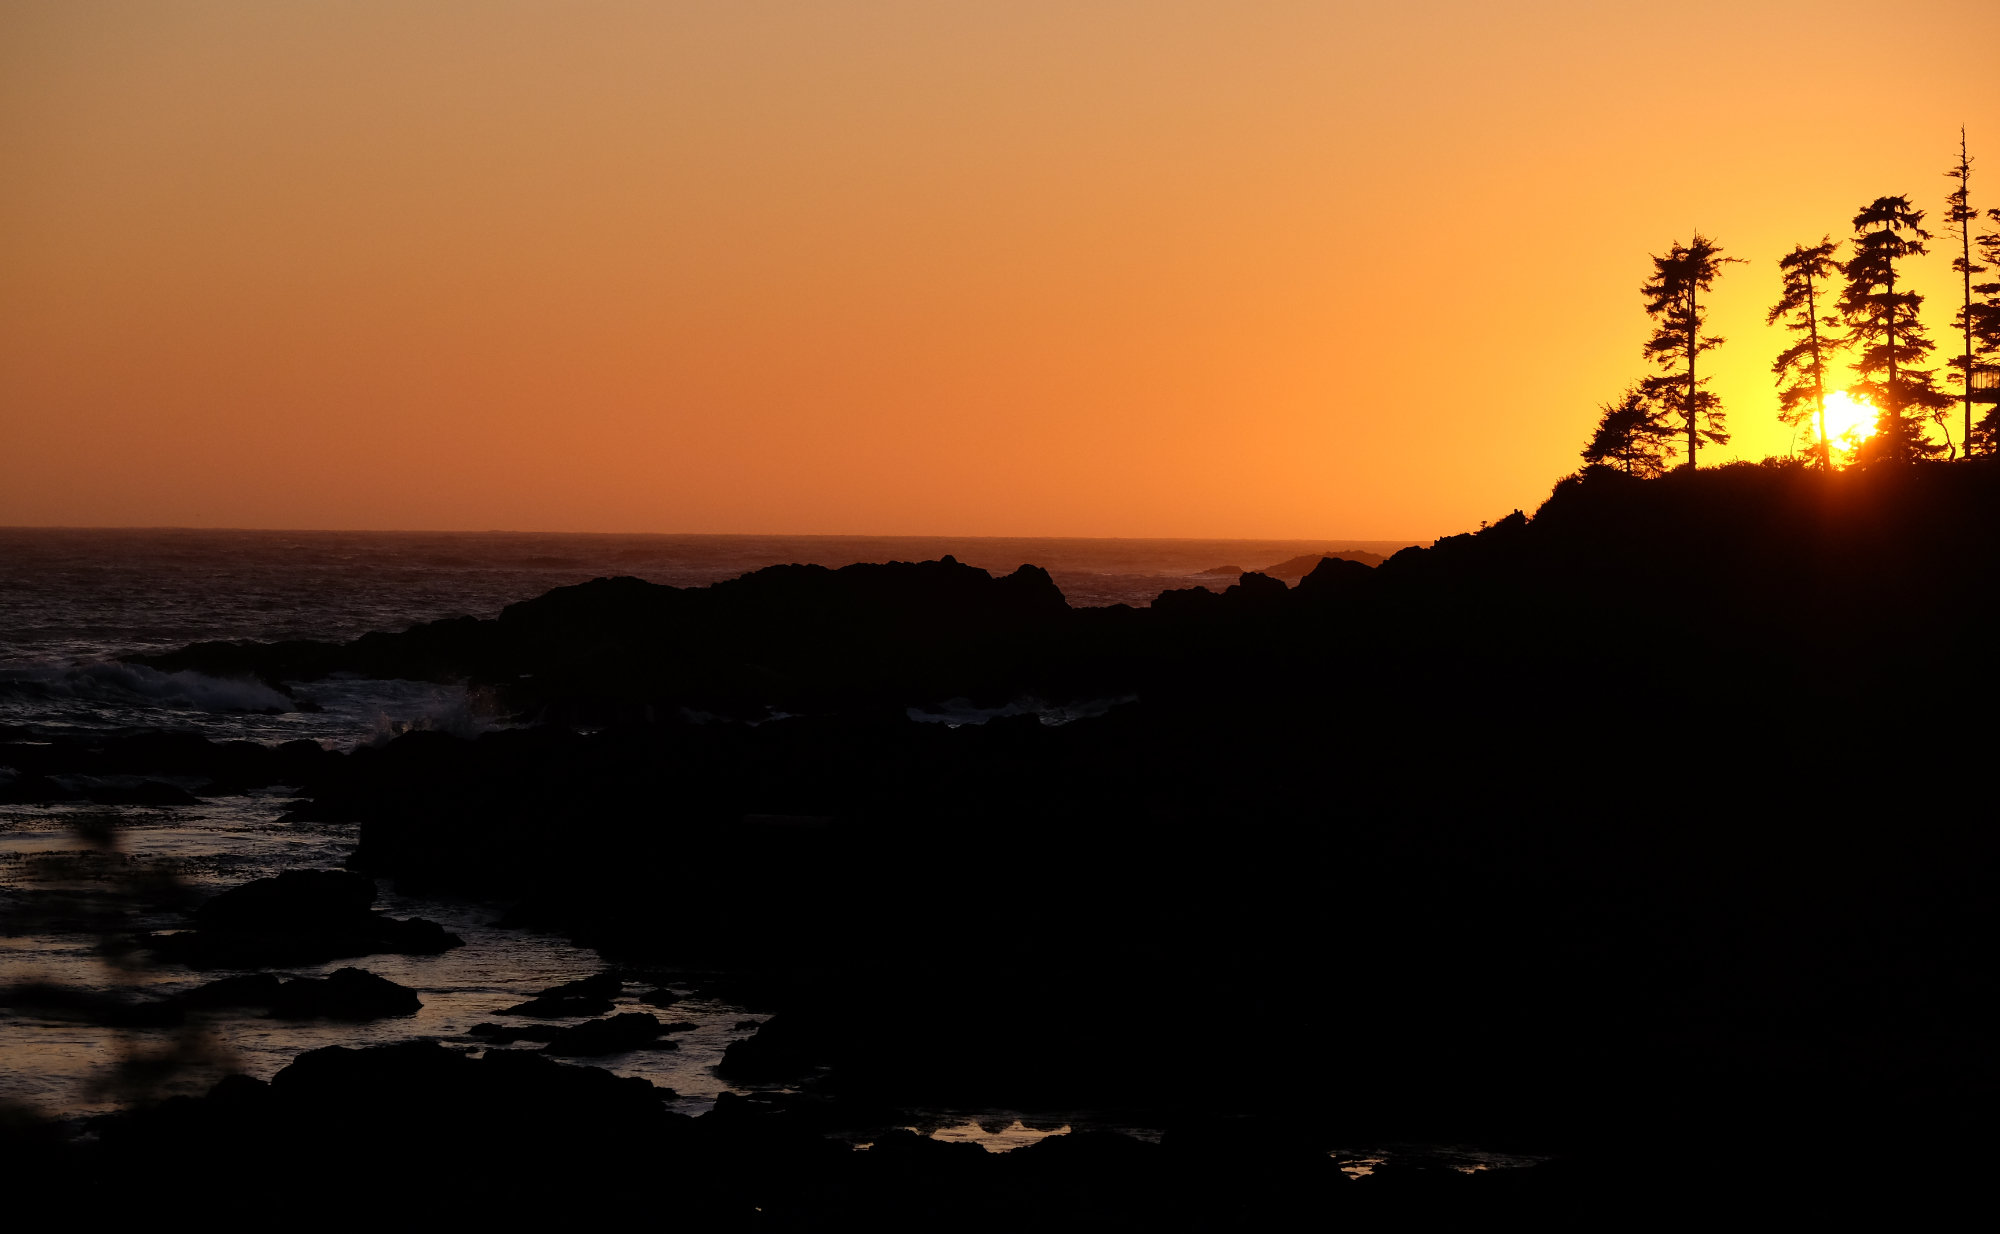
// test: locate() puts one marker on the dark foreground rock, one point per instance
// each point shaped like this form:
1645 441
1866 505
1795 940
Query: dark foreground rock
515 1137
1650 819
588 996
298 917
633 1030
345 994
778 1050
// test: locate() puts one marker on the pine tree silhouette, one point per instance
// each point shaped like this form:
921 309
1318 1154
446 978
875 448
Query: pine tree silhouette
1960 216
1882 313
1673 300
1801 368
1632 436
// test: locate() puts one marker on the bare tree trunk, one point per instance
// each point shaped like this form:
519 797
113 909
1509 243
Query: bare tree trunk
1819 372
1965 238
1694 328
1895 399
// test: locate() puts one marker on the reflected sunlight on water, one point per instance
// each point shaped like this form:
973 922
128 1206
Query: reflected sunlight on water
63 895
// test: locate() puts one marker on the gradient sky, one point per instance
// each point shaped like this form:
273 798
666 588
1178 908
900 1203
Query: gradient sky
1157 268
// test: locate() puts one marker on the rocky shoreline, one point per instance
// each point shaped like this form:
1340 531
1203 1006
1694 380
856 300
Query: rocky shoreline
1624 828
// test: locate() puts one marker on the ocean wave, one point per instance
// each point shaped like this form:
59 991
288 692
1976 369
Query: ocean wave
132 684
385 710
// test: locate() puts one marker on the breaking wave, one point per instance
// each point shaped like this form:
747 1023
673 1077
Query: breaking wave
132 684
456 710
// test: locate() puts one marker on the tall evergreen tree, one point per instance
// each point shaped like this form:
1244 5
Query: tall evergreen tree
1883 317
1673 300
1801 368
1960 216
1984 318
1633 437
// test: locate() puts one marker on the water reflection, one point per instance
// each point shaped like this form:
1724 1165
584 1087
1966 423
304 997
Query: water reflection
76 880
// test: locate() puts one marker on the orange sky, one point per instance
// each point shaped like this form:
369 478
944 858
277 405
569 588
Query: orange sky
1152 268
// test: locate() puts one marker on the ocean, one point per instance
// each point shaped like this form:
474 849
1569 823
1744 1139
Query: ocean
74 876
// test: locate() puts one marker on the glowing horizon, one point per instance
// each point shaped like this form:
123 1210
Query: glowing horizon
1166 270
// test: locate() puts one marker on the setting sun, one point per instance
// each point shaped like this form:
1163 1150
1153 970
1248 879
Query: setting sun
1849 420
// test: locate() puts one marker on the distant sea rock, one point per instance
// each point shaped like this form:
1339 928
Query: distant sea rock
1292 569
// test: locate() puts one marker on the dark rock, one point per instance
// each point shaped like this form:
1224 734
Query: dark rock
1413 1175
240 1092
1089 1150
547 1008
779 1050
1258 588
1469 756
792 636
630 1031
298 917
345 994
660 998
1334 576
293 901
590 995
606 984
1294 568
903 1145
1184 602
34 788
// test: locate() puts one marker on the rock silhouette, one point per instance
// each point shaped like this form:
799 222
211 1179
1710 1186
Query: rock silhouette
632 1030
1607 831
298 917
344 994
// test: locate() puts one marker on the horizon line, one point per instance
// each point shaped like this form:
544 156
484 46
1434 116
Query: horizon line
806 535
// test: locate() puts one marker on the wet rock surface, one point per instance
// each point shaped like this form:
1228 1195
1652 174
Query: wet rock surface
633 1030
589 996
344 994
298 917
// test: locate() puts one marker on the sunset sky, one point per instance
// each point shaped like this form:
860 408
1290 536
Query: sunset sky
1145 268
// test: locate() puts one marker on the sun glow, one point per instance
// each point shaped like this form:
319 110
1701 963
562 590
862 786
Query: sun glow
1849 422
